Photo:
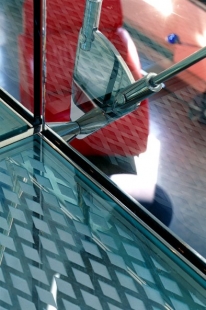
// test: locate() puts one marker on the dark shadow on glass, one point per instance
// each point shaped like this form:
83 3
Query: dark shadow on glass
160 206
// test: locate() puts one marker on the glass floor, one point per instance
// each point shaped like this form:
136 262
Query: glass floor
67 245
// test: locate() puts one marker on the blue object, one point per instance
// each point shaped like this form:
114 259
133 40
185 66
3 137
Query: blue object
173 38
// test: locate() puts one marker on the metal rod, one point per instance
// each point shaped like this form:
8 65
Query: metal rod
37 15
179 67
86 124
152 83
44 66
90 23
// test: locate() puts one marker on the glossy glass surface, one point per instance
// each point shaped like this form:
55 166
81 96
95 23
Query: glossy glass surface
99 67
10 123
157 153
15 77
176 114
66 245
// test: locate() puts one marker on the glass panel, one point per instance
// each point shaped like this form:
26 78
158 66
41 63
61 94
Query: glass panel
176 149
66 245
98 73
156 153
16 50
79 77
159 148
10 123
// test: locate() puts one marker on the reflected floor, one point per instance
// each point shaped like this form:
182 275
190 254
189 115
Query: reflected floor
180 131
66 245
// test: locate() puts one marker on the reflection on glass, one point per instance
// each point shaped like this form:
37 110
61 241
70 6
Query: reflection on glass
13 73
66 245
10 124
177 114
100 72
165 7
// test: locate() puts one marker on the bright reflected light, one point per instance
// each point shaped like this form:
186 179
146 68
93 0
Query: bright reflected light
147 163
163 6
54 292
142 186
2 76
201 39
2 33
132 50
31 65
2 38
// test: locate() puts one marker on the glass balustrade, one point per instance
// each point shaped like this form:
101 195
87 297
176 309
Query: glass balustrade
107 209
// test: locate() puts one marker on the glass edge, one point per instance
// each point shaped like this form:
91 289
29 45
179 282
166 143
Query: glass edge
29 133
17 107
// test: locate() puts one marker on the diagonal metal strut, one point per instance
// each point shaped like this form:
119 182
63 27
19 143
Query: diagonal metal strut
151 83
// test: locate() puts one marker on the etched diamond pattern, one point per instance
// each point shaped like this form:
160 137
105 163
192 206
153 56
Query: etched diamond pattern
54 256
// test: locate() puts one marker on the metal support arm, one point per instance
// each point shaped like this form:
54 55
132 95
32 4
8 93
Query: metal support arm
151 83
125 99
91 23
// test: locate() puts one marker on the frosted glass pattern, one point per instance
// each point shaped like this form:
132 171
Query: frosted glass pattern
57 253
